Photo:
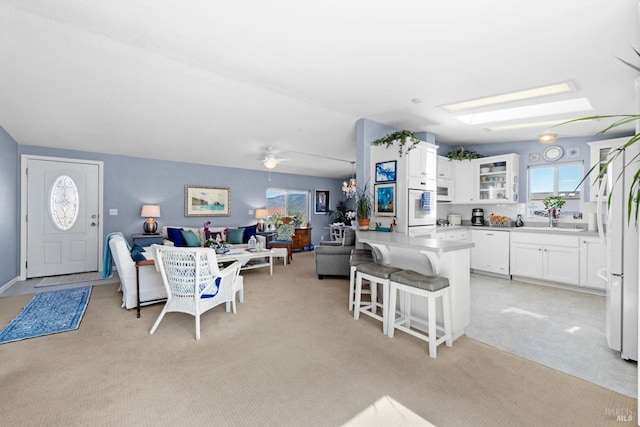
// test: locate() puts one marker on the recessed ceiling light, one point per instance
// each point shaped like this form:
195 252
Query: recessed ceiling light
554 89
536 110
548 138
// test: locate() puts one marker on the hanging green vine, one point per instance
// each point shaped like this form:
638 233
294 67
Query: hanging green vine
402 137
462 154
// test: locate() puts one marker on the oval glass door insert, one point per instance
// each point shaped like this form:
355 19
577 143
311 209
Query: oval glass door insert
63 202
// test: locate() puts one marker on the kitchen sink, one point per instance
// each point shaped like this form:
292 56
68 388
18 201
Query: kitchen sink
552 229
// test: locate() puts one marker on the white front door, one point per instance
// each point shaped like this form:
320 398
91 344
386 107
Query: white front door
62 217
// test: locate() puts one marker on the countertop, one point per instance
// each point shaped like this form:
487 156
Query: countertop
526 229
405 241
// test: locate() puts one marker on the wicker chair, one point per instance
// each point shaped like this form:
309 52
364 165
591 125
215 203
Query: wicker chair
194 283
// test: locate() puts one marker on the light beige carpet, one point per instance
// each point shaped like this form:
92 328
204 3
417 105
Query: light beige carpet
291 356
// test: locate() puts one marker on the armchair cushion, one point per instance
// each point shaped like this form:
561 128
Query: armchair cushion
235 235
349 237
190 239
285 232
175 235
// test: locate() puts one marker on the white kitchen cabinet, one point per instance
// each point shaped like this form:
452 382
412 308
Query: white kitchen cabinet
464 182
497 179
592 259
549 257
452 234
599 154
444 168
491 251
421 163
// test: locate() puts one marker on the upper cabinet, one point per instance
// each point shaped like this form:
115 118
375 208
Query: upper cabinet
444 169
421 166
486 180
599 151
498 178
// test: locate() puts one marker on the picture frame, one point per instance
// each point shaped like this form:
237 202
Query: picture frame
384 203
201 200
321 201
386 171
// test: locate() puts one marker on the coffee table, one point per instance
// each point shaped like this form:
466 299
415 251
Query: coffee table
251 259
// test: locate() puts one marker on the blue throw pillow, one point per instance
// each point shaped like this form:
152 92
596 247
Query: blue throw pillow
248 232
235 235
175 235
137 255
138 247
190 239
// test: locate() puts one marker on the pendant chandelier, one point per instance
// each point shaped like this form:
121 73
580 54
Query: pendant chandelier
349 189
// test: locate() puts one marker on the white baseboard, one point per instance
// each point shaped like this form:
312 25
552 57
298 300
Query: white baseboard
8 284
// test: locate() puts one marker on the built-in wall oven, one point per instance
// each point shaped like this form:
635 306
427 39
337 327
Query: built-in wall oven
444 191
422 207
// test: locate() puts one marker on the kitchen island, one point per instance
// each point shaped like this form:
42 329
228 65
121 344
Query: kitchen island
450 259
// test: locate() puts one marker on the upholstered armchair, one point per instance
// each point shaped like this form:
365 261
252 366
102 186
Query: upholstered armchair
151 287
284 239
332 257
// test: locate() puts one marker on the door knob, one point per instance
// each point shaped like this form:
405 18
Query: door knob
93 224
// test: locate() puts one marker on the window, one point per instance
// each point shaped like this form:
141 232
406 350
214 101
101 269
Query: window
555 180
288 202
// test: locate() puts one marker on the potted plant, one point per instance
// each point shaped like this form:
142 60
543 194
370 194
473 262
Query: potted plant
462 154
553 204
402 137
274 220
363 207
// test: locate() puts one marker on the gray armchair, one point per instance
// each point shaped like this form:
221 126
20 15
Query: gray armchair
332 257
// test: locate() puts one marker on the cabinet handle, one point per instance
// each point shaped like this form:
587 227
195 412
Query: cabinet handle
539 250
489 234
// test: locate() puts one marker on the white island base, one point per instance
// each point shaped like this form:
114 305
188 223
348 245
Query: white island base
450 259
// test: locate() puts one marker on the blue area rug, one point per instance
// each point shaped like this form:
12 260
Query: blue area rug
48 313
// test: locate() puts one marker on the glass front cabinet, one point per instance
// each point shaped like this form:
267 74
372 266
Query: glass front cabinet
498 179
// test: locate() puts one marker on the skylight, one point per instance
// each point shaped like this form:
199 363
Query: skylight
553 89
529 111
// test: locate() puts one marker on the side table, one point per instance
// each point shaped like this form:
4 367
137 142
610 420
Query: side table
138 265
145 240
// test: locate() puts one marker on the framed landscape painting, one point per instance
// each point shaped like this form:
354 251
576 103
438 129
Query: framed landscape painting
386 171
207 201
321 201
384 200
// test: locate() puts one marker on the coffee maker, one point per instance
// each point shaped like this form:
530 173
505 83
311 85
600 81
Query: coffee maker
477 216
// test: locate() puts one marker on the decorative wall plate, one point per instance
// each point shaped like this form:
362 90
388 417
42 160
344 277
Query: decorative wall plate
573 152
534 157
553 153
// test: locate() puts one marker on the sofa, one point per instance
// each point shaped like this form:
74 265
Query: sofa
332 257
152 287
237 237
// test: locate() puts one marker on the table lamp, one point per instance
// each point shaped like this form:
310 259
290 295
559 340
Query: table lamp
150 226
261 214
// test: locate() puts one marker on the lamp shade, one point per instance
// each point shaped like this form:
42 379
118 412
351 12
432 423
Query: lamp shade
261 213
150 211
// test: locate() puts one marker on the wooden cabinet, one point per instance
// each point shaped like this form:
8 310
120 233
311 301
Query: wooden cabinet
302 239
592 259
550 257
491 251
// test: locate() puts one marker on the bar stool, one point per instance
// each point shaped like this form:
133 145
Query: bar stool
375 274
431 287
358 256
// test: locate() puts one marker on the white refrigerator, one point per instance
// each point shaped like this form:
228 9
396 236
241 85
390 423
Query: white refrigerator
620 238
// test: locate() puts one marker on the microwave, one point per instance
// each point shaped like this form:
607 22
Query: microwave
444 191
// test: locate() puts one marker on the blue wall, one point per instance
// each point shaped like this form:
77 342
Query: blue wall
131 182
9 214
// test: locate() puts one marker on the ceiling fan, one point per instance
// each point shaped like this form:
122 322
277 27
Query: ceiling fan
270 160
